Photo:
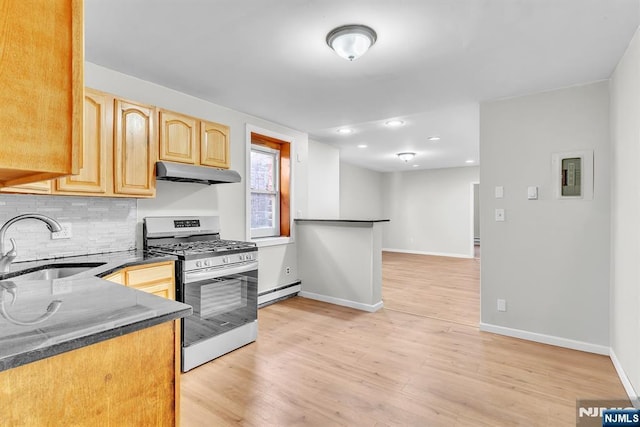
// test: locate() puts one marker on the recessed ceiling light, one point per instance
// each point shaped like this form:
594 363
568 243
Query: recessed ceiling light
469 161
433 138
362 145
344 131
394 123
415 166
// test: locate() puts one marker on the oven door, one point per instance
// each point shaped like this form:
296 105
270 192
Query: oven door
222 299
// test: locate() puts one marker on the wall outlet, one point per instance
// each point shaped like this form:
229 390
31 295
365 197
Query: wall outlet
65 233
287 270
502 305
500 215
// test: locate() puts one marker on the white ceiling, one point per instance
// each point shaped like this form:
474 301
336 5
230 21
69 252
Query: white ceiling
434 61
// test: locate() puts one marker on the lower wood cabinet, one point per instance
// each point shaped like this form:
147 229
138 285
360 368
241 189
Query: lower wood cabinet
129 380
158 279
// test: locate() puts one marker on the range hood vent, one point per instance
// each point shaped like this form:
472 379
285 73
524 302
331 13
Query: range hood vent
179 172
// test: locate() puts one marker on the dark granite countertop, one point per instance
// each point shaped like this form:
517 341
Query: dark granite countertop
110 262
42 318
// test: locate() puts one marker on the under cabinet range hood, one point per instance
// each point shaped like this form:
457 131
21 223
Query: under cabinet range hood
179 172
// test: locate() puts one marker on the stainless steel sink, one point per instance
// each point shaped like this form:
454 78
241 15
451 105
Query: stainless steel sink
56 272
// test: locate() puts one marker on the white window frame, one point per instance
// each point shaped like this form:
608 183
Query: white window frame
275 230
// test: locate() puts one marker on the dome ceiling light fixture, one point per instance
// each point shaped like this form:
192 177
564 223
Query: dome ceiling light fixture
394 123
351 41
406 156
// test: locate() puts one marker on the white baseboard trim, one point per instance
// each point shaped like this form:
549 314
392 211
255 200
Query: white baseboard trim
407 251
546 339
271 295
633 396
339 301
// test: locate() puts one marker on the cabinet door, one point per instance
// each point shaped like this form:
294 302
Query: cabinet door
135 143
163 289
214 145
178 136
41 61
98 119
157 278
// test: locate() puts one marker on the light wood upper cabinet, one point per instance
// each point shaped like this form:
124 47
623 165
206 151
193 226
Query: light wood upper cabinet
41 50
98 123
189 140
214 145
135 147
178 137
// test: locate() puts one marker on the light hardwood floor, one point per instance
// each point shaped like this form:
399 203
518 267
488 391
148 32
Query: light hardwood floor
420 361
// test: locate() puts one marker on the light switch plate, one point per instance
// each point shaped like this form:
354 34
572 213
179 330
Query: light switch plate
499 192
532 193
499 215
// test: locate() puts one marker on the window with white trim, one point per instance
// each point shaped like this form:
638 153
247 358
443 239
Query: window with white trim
268 187
265 191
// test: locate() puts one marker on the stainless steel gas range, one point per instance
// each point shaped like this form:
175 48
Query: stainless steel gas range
218 278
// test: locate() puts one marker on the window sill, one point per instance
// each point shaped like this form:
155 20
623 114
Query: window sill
272 241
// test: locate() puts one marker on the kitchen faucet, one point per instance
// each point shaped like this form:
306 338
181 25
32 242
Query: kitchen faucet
7 258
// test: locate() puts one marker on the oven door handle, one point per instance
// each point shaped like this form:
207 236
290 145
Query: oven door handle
215 272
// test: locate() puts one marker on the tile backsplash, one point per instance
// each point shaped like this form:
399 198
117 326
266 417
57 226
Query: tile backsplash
98 224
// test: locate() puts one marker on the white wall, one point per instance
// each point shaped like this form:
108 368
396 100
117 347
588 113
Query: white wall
360 192
430 211
226 200
550 258
625 213
324 181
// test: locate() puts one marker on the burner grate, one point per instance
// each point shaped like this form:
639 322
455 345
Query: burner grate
200 247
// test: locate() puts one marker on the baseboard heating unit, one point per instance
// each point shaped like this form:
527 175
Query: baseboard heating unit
278 294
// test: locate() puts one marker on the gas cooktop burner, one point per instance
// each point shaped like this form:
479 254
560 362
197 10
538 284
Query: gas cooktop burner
203 246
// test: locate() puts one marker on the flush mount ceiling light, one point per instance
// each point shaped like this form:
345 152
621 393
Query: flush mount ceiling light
433 138
362 145
406 156
344 131
394 123
469 161
351 41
